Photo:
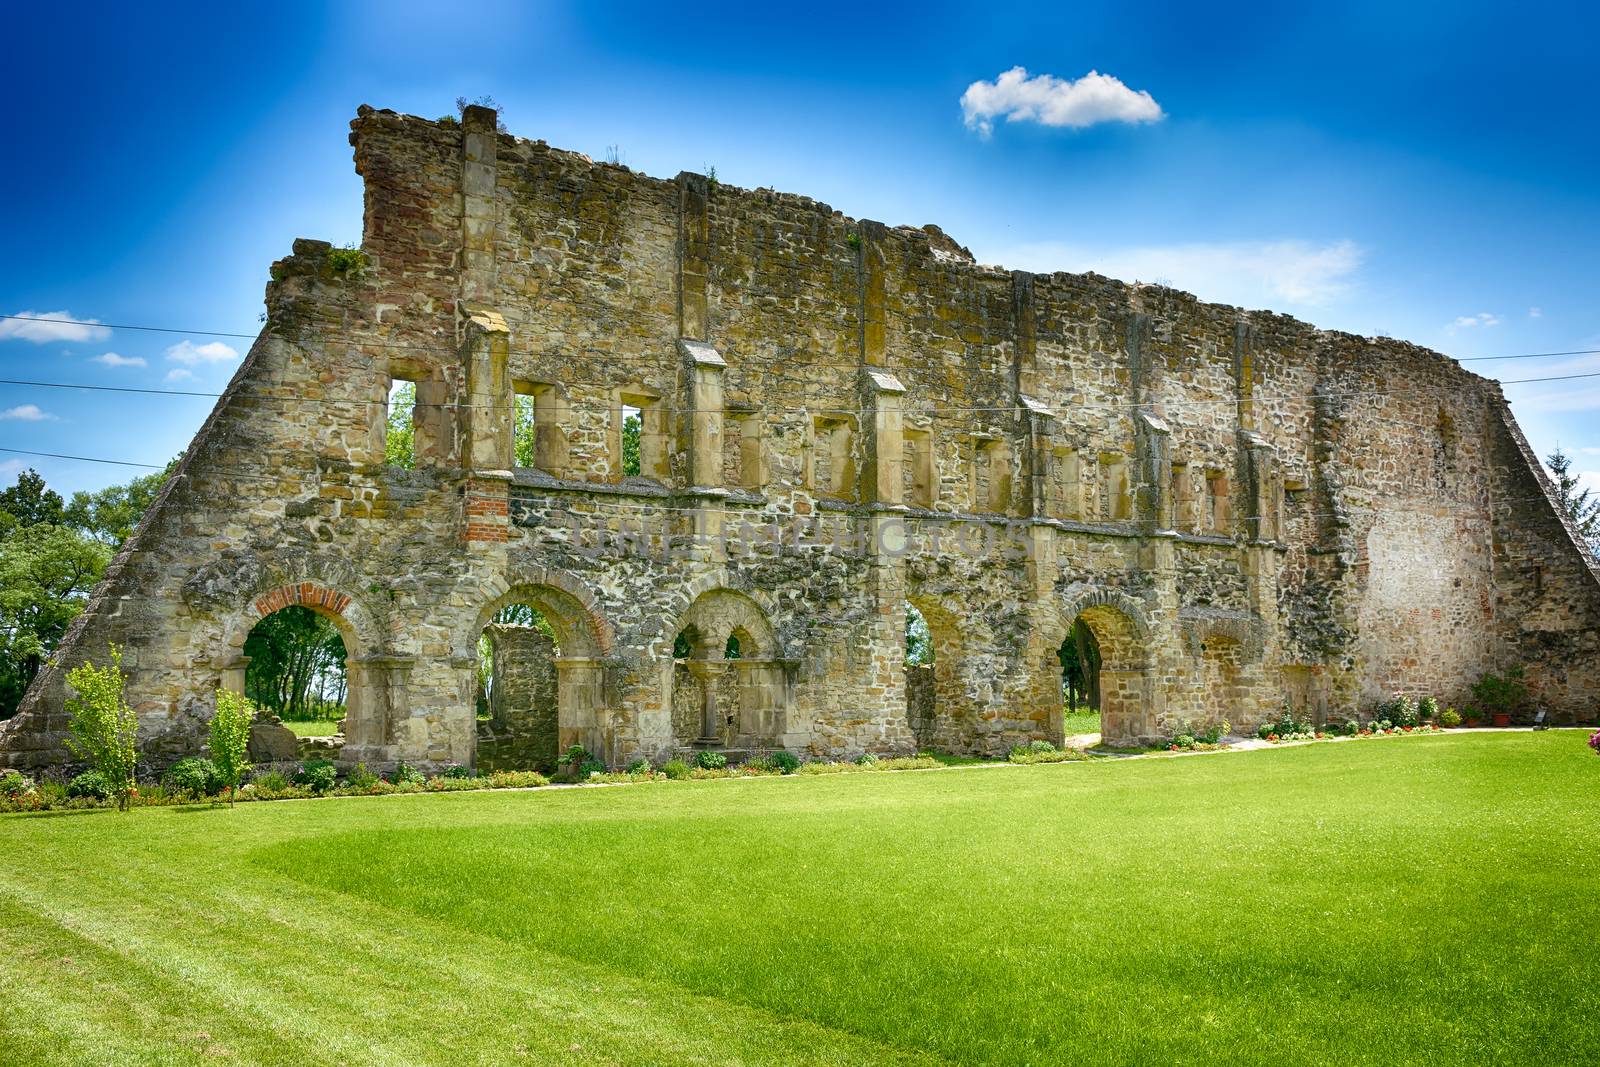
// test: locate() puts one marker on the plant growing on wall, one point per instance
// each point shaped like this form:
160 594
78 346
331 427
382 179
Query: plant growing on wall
104 729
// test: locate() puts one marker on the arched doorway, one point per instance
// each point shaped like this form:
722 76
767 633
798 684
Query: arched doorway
298 670
517 701
922 700
728 682
1108 643
1079 657
541 662
944 691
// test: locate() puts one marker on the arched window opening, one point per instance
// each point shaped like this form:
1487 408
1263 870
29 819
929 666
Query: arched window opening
731 649
297 670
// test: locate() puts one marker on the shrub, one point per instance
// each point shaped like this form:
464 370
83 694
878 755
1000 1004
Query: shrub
404 774
866 759
787 762
193 775
676 769
590 767
271 782
1183 741
1401 711
1021 754
361 778
517 779
104 729
1041 746
1594 741
15 783
1428 709
1287 727
89 784
710 761
1503 694
639 766
230 737
1449 718
455 770
319 775
348 260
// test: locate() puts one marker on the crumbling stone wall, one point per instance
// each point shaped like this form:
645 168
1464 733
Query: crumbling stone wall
839 418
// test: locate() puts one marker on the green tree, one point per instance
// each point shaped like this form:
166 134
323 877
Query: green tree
30 502
523 433
1581 505
111 514
297 664
919 641
400 438
631 427
104 730
46 575
230 736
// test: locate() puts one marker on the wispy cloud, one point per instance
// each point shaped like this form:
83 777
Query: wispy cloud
1482 318
1536 313
1553 397
10 466
190 354
1250 273
111 359
1015 96
178 374
42 327
26 413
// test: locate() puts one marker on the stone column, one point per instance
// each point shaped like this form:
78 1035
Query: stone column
703 368
488 420
708 673
581 714
479 152
881 393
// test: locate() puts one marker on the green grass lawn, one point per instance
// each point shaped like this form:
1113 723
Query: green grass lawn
1417 900
312 727
1083 722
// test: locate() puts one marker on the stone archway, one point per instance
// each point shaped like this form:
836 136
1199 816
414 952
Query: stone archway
370 678
723 702
1121 638
581 638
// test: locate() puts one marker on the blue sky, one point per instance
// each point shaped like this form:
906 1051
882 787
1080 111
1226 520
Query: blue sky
1425 172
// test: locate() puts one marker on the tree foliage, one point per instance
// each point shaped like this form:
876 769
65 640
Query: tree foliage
110 514
46 575
1080 667
297 665
631 428
1581 505
400 436
30 502
104 730
919 640
230 736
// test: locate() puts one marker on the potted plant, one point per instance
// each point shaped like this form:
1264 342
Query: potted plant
1500 695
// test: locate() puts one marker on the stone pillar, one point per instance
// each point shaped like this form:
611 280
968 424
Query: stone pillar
703 368
489 417
1152 499
375 702
1036 463
233 675
479 150
1126 715
709 674
881 393
581 715
694 246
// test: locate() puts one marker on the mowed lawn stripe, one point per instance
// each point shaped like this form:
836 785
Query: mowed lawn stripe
1414 900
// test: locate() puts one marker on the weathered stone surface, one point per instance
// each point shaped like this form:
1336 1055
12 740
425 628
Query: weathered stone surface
838 418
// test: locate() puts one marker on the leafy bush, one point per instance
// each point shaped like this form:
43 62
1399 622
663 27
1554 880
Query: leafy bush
105 730
230 737
318 775
590 767
405 774
517 779
1401 711
639 766
1029 754
1450 718
15 783
787 762
361 778
676 769
866 759
1287 727
1041 746
1500 694
193 775
456 770
710 761
1428 709
349 260
1183 741
89 784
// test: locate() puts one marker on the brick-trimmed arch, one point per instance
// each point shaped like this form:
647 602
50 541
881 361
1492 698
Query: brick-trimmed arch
357 627
571 608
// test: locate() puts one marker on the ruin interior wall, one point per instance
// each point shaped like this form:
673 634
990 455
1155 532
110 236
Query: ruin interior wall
839 418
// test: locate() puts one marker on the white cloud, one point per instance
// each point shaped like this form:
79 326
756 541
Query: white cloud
178 374
1536 313
190 354
1050 101
1482 318
1589 480
26 413
61 327
1249 273
111 359
10 467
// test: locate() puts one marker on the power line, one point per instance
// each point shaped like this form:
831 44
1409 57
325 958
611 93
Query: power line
84 459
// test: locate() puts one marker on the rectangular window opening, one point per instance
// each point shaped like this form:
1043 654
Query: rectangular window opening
400 424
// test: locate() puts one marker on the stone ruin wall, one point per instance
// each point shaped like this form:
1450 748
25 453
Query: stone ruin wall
1243 508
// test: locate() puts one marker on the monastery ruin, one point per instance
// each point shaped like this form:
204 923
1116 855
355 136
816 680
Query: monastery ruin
840 419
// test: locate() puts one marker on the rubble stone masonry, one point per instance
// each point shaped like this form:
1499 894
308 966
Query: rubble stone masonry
838 418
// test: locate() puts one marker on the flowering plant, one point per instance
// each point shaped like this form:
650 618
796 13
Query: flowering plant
1594 742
